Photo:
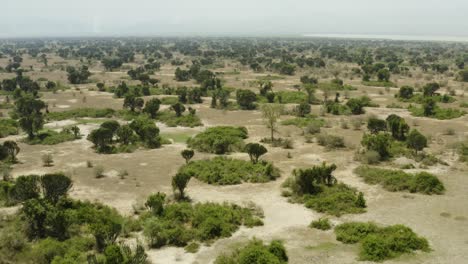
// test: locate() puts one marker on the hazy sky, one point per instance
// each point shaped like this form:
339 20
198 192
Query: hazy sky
24 18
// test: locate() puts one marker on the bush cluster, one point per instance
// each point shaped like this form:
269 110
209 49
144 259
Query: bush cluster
256 252
398 180
8 127
219 140
225 171
179 224
380 243
318 189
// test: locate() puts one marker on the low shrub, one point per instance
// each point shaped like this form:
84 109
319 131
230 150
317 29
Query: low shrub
330 141
171 120
182 223
380 243
219 140
318 189
82 112
256 252
439 112
8 127
225 171
398 180
335 200
322 224
51 137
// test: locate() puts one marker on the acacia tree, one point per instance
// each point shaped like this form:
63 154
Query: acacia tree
255 150
187 154
55 186
271 113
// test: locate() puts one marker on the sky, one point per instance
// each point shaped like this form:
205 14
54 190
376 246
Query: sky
66 18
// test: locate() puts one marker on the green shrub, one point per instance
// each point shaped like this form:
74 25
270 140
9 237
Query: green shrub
380 243
291 97
398 180
334 200
255 252
82 112
169 100
219 140
439 113
318 189
51 137
322 224
171 120
182 222
225 171
8 127
353 232
426 183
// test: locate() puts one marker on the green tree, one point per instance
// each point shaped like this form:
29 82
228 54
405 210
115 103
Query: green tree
429 106
383 75
178 108
155 203
132 102
187 154
125 134
179 183
303 109
416 140
55 186
356 106
113 255
255 150
76 131
376 125
430 89
397 126
406 92
25 188
378 142
360 201
152 107
28 110
246 99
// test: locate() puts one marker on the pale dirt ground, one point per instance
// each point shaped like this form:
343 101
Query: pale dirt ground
150 171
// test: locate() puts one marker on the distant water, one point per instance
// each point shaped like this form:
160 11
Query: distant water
392 37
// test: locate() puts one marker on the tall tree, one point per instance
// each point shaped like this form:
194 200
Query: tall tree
271 113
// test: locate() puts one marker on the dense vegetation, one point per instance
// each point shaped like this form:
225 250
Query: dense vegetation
318 189
397 180
180 223
256 252
224 171
219 140
53 228
380 243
